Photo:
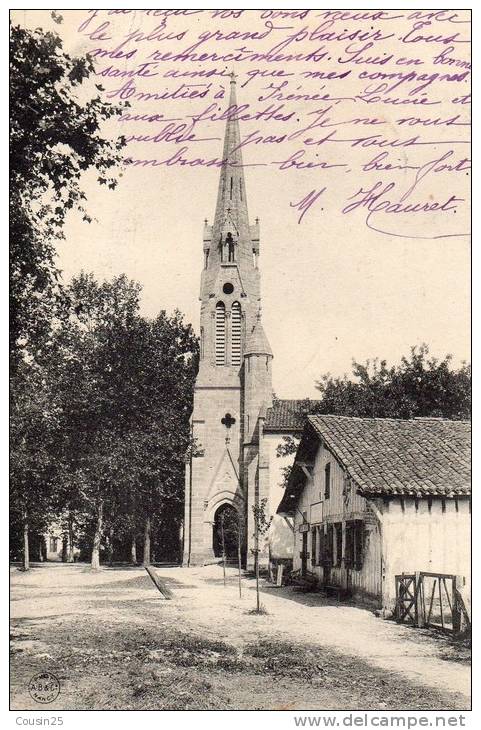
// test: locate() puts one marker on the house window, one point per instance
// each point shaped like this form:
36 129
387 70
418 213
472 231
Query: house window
354 544
314 546
220 334
327 481
53 544
338 543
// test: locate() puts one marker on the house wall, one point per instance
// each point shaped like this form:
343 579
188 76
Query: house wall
399 534
342 506
53 555
429 535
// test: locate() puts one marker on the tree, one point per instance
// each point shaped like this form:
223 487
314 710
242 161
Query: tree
33 442
419 386
261 527
91 454
157 373
126 387
55 119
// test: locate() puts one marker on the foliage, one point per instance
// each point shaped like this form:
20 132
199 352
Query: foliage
56 115
34 422
419 386
262 521
126 386
55 123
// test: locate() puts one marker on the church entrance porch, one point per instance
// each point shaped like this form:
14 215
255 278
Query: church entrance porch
225 531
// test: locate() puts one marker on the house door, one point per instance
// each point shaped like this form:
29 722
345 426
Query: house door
304 554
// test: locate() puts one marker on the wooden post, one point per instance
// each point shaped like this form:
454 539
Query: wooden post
398 605
457 618
271 573
280 570
159 584
418 602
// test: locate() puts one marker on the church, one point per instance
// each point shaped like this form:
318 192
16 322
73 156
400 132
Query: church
233 399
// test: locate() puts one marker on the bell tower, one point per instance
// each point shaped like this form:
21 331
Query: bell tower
234 383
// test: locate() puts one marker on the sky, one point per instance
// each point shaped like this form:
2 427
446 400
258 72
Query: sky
332 289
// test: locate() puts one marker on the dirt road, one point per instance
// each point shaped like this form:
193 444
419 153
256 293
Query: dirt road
113 643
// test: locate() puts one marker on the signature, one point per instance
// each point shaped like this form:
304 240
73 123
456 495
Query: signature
374 200
307 202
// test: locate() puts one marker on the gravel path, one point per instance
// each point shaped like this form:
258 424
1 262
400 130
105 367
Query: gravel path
68 594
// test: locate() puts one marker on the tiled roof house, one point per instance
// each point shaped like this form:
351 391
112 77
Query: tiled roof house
372 498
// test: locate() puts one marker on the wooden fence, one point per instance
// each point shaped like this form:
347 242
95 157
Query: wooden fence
432 600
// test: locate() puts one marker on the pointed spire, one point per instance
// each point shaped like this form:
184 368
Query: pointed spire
231 210
257 342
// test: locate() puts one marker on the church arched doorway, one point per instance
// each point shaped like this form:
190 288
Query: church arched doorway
225 531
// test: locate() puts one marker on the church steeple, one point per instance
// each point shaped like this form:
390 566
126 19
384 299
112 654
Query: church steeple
231 242
231 215
234 382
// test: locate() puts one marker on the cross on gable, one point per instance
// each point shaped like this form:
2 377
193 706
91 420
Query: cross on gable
228 420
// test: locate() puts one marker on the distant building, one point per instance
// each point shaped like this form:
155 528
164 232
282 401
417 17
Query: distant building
286 417
371 498
55 545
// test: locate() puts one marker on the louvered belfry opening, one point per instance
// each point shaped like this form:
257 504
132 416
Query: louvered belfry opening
236 334
220 342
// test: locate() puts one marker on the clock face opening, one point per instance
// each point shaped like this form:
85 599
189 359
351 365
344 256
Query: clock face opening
228 288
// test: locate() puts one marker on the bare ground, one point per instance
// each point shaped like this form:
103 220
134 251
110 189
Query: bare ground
114 643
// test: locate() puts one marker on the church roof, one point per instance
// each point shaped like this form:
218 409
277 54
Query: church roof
421 457
257 342
288 415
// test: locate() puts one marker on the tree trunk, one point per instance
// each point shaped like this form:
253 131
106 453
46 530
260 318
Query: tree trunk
133 551
95 564
64 549
256 545
26 554
239 559
147 526
111 546
223 544
70 555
